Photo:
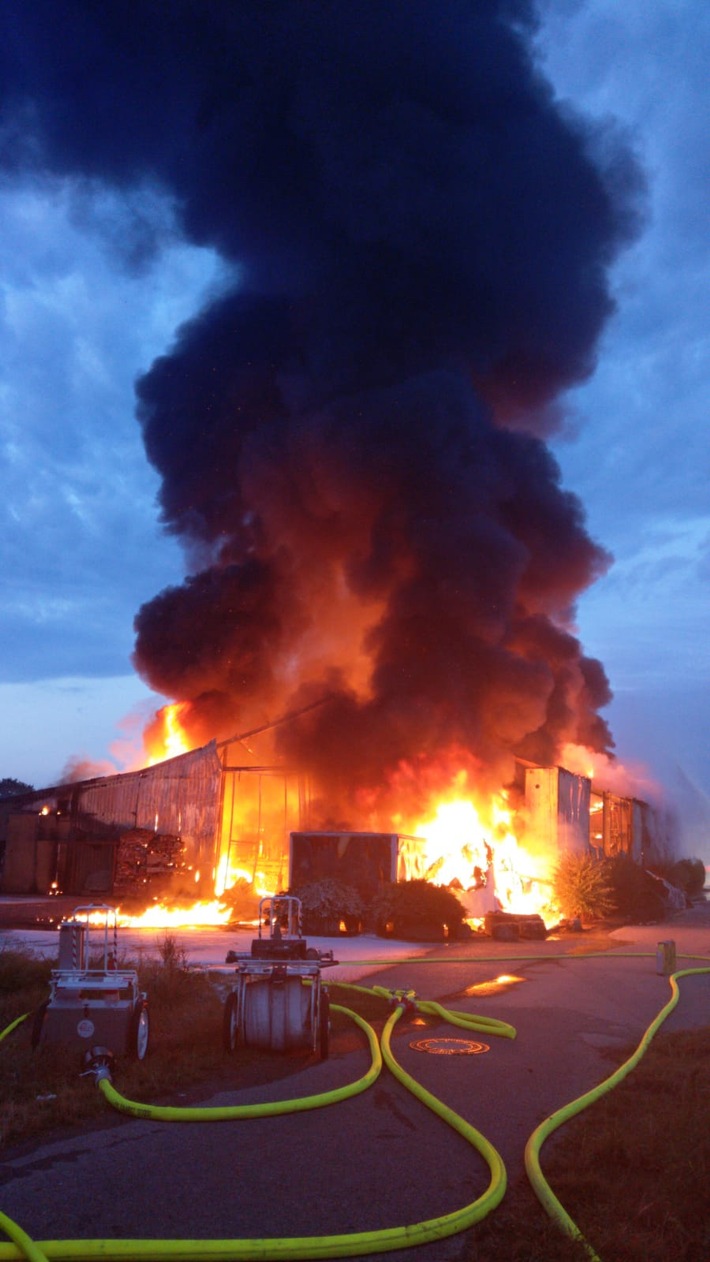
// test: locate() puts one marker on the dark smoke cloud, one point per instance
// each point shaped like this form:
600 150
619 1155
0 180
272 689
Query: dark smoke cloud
350 439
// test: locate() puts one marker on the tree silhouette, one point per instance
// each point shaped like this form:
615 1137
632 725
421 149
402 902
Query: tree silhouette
10 788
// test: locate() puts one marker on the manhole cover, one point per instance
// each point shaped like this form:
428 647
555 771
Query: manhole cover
450 1047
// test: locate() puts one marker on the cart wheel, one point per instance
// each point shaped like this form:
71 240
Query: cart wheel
230 1023
139 1036
324 1024
38 1023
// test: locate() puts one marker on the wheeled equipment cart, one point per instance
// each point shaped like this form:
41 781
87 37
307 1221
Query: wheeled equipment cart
91 999
279 1002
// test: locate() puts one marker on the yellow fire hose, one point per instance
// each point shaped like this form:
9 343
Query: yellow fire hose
227 1113
465 1020
356 1243
352 1244
13 1025
541 1187
26 1247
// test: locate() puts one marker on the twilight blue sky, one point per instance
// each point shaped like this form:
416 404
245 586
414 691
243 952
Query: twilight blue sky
93 286
639 455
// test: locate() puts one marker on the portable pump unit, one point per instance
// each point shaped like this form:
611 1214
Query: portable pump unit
278 1002
91 999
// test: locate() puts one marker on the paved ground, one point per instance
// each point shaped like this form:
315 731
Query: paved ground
379 1159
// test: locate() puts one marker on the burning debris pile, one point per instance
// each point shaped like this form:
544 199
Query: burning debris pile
351 436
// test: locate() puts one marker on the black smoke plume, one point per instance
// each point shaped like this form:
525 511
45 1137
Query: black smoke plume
351 437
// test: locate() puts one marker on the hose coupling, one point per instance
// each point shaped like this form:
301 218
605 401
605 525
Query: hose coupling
404 999
98 1064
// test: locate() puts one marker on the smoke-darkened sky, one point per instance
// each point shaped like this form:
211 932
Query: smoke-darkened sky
400 253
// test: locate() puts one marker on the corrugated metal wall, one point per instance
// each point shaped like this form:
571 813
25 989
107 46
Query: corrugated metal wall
180 797
618 821
574 794
241 817
557 803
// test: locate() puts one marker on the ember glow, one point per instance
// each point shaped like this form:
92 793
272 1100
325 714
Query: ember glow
504 981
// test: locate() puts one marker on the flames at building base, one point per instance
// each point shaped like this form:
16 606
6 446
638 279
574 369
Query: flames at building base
198 838
496 850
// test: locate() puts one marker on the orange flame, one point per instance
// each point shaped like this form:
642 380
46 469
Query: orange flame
229 875
199 915
167 736
473 846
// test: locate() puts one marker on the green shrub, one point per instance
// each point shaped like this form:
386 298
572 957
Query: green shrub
24 985
637 895
417 910
328 905
581 887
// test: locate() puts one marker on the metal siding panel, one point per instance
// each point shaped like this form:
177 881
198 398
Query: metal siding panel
179 797
541 801
182 792
573 812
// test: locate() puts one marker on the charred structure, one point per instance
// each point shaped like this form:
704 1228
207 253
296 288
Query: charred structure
143 834
196 824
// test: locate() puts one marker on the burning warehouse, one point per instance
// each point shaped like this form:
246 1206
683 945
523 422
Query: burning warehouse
351 436
189 828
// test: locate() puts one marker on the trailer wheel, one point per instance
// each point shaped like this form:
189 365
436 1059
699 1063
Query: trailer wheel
38 1023
324 1031
139 1034
230 1023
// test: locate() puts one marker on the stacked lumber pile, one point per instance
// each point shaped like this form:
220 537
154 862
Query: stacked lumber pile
144 857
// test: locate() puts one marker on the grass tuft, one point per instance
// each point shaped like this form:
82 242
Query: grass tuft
42 1091
635 1168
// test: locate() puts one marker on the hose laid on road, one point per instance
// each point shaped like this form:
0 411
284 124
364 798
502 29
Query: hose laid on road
541 1187
464 1020
359 1243
351 1244
27 1247
232 1112
395 962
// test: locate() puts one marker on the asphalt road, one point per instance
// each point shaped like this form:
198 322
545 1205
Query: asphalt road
379 1159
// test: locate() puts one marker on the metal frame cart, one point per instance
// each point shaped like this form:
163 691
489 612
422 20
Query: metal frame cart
279 1002
91 999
